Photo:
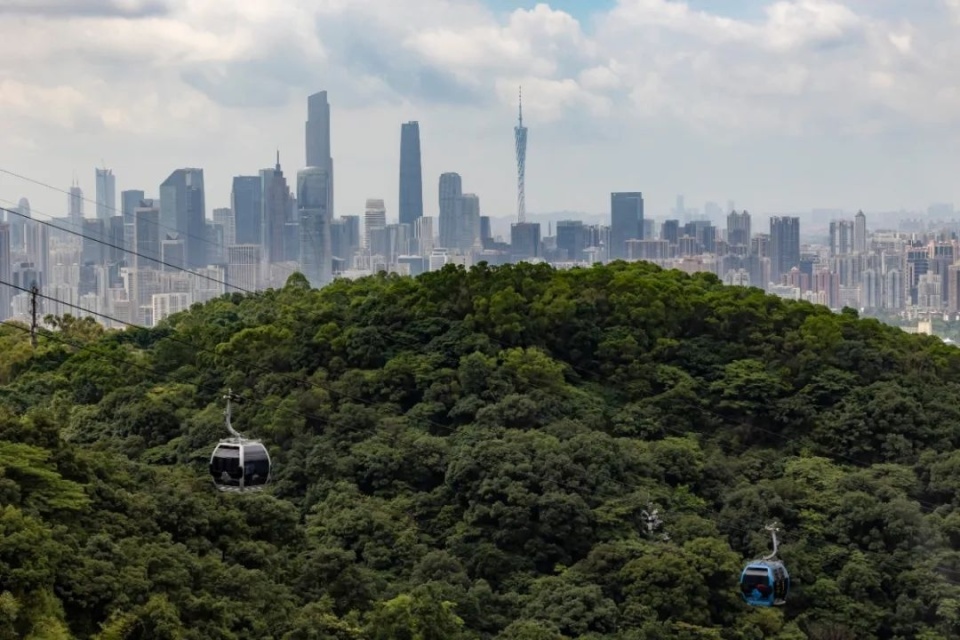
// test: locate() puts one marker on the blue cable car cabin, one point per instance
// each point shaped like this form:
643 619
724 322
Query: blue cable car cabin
765 584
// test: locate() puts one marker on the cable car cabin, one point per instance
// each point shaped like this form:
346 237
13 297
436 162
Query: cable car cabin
765 584
237 466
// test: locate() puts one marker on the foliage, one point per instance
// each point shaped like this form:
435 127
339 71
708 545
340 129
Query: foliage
474 454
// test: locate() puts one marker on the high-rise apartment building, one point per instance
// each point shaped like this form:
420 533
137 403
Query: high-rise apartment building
183 214
841 237
860 233
411 176
318 139
738 230
626 221
106 194
784 246
316 253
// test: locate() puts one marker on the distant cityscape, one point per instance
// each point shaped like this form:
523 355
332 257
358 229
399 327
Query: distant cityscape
150 257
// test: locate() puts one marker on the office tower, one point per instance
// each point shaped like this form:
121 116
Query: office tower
106 194
243 267
860 233
572 239
738 229
75 205
486 235
374 217
183 214
351 236
129 202
172 253
318 140
784 246
520 139
274 212
423 232
316 252
291 232
411 177
670 231
115 233
626 221
146 237
524 240
246 200
92 244
451 188
224 218
5 271
467 210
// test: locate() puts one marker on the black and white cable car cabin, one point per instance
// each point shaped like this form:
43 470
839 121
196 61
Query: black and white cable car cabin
239 464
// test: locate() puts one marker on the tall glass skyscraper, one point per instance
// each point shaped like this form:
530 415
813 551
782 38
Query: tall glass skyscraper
183 214
317 131
316 251
411 177
106 194
626 221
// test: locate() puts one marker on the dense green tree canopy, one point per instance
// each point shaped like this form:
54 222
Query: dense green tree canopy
475 454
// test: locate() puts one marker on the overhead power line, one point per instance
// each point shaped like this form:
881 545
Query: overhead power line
175 267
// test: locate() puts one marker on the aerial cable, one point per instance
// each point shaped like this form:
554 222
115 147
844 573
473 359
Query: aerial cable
130 251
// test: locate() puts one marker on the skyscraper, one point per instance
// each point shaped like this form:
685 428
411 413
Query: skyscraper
626 222
273 216
106 194
738 230
183 214
468 222
520 139
860 233
411 177
75 206
316 251
5 271
318 139
374 217
130 201
246 200
451 188
146 238
784 246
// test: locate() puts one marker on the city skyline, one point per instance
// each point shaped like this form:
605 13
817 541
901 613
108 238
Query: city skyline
814 134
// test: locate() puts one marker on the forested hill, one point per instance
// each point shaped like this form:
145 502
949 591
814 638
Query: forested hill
473 455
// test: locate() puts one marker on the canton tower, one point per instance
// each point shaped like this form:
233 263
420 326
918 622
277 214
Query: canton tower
520 137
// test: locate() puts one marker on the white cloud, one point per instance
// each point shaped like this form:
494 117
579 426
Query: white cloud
215 76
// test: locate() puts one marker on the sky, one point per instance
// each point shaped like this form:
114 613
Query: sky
781 106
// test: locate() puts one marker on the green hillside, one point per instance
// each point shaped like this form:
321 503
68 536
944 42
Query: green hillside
472 455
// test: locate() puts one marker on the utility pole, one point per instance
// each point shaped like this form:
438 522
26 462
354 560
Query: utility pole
34 294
